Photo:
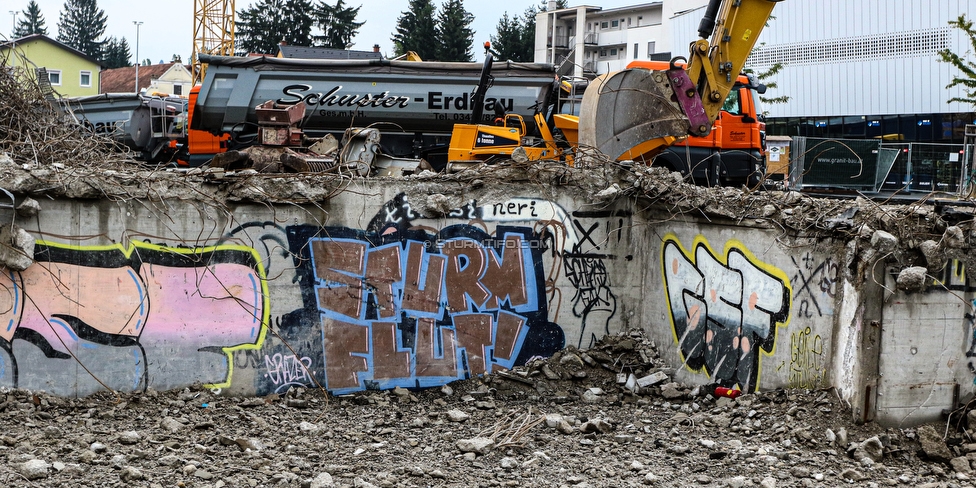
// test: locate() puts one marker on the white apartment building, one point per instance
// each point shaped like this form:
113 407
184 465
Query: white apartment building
860 69
590 40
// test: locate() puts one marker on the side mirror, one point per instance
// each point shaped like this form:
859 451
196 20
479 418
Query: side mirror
755 84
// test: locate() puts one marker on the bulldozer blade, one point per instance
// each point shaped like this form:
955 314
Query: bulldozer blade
631 113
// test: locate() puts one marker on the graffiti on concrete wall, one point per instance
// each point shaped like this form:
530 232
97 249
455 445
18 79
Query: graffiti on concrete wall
129 317
724 309
952 277
816 285
594 302
402 303
808 361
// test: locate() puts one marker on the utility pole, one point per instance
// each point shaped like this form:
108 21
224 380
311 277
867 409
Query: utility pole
137 24
13 27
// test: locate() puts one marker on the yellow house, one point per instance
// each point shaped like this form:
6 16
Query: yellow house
72 73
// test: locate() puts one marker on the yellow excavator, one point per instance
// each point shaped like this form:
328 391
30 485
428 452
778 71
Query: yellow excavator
631 114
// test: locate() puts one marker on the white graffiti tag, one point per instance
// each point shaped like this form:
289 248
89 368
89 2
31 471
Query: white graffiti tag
723 313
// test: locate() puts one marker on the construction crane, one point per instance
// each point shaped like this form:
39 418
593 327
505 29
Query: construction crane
213 32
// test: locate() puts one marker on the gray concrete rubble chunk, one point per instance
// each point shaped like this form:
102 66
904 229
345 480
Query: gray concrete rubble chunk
608 192
883 241
961 465
478 445
852 474
933 446
16 248
519 155
171 424
954 237
652 379
130 473
321 481
912 279
35 469
29 208
596 426
934 256
129 437
871 449
457 416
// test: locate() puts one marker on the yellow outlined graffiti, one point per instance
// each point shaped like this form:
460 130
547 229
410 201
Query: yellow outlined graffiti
723 308
95 301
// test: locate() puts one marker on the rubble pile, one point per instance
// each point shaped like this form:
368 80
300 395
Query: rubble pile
33 131
578 419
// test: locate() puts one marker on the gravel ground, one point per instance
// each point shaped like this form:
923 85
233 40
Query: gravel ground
565 421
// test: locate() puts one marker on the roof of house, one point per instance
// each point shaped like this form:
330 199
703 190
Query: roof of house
305 52
43 38
123 80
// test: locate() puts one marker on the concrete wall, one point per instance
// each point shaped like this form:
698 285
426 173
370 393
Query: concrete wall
400 283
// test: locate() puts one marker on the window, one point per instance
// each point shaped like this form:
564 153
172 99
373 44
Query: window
603 25
650 49
85 78
733 104
635 50
177 89
603 53
613 51
615 24
55 76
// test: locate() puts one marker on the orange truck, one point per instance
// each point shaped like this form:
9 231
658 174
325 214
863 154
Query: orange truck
733 153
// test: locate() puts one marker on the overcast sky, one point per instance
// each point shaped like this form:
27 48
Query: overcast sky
167 27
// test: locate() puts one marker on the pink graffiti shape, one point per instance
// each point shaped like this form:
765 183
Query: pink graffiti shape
694 317
215 306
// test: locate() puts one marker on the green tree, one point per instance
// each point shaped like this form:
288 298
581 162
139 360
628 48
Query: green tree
298 22
968 68
81 25
528 27
416 30
117 53
32 23
338 24
507 41
454 35
266 24
766 77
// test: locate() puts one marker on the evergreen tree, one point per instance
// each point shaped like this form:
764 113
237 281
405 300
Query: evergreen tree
968 68
507 41
80 26
298 20
338 24
264 25
32 23
117 54
416 31
454 35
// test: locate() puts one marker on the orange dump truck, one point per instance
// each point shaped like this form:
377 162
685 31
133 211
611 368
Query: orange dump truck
733 153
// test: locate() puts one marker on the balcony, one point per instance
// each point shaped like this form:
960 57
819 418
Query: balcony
591 38
561 42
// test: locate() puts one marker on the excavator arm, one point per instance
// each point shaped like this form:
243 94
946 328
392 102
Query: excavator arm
637 113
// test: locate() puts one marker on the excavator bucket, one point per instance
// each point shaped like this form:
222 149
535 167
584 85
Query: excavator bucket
634 114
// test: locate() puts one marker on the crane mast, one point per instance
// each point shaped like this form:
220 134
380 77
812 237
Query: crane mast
213 32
